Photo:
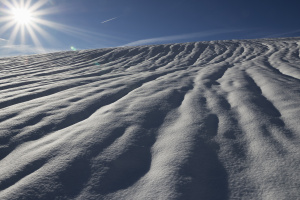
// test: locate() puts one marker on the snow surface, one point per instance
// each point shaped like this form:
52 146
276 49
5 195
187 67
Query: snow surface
205 120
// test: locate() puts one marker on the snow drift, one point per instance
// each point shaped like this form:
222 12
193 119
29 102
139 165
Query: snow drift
205 120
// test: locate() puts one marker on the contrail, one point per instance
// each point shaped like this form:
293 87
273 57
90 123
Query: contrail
109 20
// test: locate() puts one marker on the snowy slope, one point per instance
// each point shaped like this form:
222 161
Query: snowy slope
206 120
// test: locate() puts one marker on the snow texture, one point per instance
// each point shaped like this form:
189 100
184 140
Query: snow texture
207 120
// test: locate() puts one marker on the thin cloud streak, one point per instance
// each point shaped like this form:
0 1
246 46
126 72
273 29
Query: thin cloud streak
282 34
173 38
109 20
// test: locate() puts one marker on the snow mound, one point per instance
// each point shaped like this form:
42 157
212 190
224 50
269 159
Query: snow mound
205 120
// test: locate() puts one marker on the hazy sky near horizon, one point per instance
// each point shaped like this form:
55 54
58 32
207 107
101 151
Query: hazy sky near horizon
89 24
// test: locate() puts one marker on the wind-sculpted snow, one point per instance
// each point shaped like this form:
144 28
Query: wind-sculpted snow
207 120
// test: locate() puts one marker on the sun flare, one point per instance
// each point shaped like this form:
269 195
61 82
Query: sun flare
22 15
24 19
22 23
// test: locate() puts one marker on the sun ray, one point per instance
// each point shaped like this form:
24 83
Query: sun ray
44 34
27 4
45 12
13 36
22 35
5 19
21 3
34 38
7 26
73 31
8 3
37 5
5 11
16 4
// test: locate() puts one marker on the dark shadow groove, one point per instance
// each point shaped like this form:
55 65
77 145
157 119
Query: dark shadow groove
27 170
37 95
17 85
209 179
266 106
261 101
135 162
278 72
75 176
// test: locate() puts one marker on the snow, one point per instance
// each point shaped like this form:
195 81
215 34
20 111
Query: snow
205 120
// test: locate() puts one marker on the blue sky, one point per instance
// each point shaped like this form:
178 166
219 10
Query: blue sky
90 24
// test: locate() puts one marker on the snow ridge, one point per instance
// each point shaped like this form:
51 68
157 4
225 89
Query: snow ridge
205 120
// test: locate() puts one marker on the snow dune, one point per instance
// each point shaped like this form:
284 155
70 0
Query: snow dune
205 120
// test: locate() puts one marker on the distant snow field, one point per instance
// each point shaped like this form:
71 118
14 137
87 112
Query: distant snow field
206 121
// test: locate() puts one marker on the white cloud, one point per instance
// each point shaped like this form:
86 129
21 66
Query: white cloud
175 38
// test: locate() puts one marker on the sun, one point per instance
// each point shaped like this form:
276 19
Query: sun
22 16
24 20
23 23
